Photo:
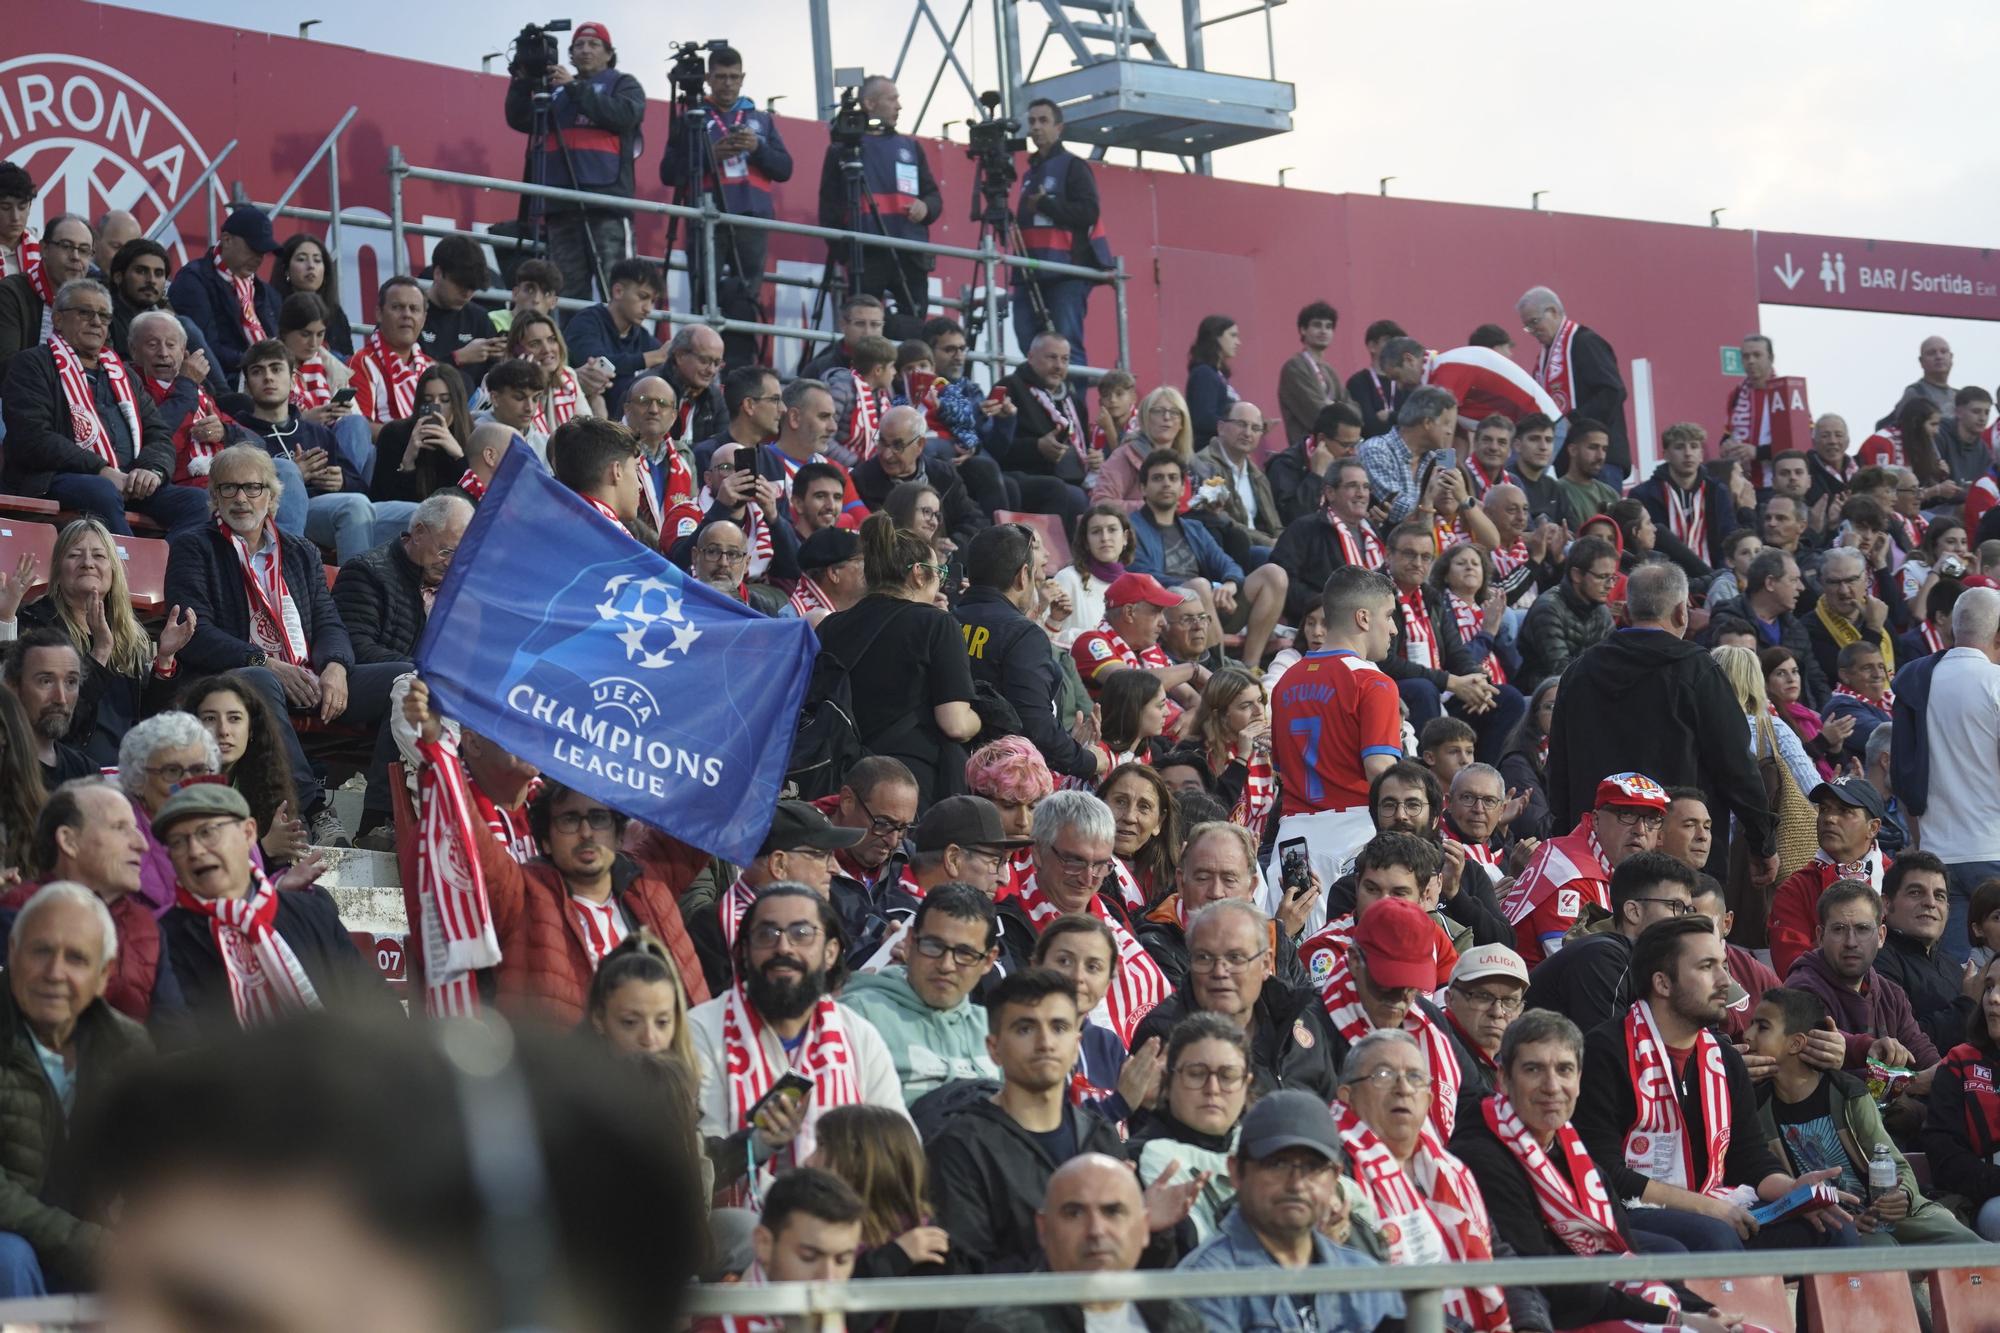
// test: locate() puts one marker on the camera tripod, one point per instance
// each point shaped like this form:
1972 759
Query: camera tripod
542 131
855 199
996 219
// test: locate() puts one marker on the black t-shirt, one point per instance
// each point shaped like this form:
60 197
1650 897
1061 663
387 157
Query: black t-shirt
445 331
903 659
70 763
1059 1143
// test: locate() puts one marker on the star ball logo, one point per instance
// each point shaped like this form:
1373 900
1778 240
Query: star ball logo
96 139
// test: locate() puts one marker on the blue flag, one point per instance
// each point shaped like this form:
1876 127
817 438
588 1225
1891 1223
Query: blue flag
563 640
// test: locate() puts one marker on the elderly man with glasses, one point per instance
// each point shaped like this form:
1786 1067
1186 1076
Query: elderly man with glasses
82 431
1586 980
899 457
1227 474
30 293
1569 874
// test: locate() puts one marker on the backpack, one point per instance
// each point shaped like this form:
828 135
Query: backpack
826 743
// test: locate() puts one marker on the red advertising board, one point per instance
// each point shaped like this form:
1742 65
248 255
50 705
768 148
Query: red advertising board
1893 277
119 109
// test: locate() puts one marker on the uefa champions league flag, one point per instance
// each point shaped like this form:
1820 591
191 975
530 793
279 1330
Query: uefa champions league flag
560 638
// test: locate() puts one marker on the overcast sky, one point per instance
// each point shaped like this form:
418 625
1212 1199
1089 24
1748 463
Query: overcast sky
1848 117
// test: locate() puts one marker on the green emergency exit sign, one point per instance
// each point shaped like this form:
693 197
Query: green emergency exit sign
1732 360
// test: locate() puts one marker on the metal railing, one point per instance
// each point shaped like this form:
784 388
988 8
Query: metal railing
1419 1285
991 260
198 186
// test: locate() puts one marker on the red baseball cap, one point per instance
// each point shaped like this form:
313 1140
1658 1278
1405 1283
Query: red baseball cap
1978 581
591 29
1399 942
1631 789
1129 588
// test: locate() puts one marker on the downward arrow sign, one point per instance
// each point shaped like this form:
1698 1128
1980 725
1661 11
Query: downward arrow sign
1788 275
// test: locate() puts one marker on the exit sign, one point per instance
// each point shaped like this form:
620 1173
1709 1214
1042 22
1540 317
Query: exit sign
1732 360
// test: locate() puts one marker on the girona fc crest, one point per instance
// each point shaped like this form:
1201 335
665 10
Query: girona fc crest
95 139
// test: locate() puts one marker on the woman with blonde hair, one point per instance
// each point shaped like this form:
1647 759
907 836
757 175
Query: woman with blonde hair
1788 777
1163 424
876 1151
536 337
1235 732
124 677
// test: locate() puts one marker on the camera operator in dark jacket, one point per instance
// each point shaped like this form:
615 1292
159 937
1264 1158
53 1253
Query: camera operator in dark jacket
1057 220
899 198
593 129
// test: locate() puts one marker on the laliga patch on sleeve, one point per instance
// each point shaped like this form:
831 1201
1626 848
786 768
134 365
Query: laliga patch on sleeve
1569 903
1099 649
1320 967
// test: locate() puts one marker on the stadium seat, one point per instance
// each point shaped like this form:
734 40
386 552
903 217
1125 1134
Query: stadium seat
1760 1300
140 523
1859 1302
145 571
1054 540
28 504
403 813
1965 1300
26 537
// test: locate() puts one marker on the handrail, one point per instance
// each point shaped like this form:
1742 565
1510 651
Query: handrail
325 147
166 219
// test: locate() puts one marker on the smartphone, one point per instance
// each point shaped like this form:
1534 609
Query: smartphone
999 394
429 410
794 1087
1294 866
344 397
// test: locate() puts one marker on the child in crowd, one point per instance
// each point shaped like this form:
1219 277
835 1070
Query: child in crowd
1446 746
1983 923
860 397
1117 410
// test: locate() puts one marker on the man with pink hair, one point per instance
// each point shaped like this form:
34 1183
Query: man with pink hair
1011 773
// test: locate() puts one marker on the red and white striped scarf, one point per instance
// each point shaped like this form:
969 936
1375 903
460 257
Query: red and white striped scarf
807 597
864 425
1480 852
1139 985
1555 368
310 386
1362 552
38 276
1750 413
398 375
1259 794
825 1056
1343 1006
508 827
31 262
1932 639
1419 636
84 423
1066 412
274 618
1481 483
559 404
1887 703
602 508
1577 1208
1511 558
1913 528
1649 1144
599 926
736 900
246 301
1687 518
191 456
472 485
266 981
743 1323
457 920
1436 1187
1101 440
1470 625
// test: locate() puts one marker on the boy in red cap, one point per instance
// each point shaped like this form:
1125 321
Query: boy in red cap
1570 872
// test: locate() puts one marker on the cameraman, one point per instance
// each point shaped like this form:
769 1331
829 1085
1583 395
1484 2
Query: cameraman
745 158
594 114
896 176
1057 220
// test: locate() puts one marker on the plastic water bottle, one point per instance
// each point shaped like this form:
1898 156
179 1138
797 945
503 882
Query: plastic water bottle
1881 1172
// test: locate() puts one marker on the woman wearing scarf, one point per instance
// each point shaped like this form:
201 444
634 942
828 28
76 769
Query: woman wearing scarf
1101 545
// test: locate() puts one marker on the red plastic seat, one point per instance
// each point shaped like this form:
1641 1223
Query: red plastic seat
1859 1302
145 560
1054 540
19 537
1760 1300
28 504
140 523
1965 1300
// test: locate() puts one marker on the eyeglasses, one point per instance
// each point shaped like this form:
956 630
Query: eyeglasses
819 854
662 402
1645 819
705 362
880 827
569 821
1482 802
69 248
897 446
229 490
88 315
1606 579
925 564
725 554
1195 1077
1080 865
767 398
1416 806
1305 1164
173 773
1486 999
1382 1078
208 835
1673 906
801 934
930 946
1231 963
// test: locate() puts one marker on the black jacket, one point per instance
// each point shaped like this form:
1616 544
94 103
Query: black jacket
446 332
1792 634
1291 1038
1294 485
1555 632
308 922
988 1176
1606 1109
1453 657
20 317
963 520
203 575
1012 654
1931 979
1718 510
203 294
1308 550
1644 701
711 411
1600 395
1584 980
296 435
1073 207
620 110
42 442
1378 413
1510 1202
1031 422
380 596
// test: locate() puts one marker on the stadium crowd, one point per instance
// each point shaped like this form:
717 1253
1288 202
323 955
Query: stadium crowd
1349 833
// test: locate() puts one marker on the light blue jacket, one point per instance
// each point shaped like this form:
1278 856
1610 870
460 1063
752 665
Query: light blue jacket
1235 1247
1149 552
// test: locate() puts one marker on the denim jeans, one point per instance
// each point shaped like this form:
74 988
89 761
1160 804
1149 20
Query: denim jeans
571 252
1961 879
175 508
20 1270
1067 301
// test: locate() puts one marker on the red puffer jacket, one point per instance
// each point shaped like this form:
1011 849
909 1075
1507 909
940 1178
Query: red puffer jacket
130 988
544 969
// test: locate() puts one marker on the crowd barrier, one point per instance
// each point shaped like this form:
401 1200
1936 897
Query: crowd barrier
1420 1285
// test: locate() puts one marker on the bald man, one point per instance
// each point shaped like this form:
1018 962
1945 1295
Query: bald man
1092 1220
899 457
1528 555
113 230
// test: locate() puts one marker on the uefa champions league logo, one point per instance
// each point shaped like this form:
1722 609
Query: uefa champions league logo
651 615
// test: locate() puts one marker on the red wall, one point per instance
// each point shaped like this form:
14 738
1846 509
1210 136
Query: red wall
1194 246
